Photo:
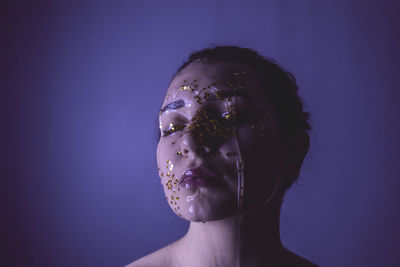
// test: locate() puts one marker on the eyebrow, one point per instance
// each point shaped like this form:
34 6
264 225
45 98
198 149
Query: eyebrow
212 97
221 95
173 105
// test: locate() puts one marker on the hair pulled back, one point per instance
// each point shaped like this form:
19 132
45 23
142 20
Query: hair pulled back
279 85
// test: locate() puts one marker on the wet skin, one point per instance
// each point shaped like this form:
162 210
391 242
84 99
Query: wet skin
214 116
233 139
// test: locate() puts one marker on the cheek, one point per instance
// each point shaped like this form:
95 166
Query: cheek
203 203
259 152
258 143
167 154
168 170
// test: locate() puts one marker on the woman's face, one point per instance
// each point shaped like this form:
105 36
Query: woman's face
220 142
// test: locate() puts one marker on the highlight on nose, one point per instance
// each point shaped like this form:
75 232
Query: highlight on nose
189 144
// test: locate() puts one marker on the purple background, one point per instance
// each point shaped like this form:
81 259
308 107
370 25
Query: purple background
81 85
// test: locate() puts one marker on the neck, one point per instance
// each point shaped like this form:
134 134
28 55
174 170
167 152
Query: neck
246 239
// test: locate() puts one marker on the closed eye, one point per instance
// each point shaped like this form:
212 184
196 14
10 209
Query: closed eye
172 129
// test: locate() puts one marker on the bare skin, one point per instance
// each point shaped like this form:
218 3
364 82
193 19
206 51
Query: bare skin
221 233
217 244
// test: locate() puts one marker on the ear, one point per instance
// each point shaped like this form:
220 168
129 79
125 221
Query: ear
296 150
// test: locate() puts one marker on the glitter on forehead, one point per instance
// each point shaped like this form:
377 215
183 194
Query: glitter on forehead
204 122
186 88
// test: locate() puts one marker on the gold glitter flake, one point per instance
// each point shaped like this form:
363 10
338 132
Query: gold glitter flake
186 88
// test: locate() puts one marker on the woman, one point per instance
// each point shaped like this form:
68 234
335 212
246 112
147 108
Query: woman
233 139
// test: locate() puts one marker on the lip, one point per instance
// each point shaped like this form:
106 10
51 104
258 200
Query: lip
197 177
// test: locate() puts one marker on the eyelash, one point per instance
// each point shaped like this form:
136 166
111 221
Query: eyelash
235 119
173 128
228 117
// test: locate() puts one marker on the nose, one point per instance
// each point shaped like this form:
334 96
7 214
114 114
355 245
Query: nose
205 134
192 146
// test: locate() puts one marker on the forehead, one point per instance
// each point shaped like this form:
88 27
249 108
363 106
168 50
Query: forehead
198 79
221 75
208 70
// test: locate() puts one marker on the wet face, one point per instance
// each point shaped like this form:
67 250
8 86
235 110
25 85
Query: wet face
220 142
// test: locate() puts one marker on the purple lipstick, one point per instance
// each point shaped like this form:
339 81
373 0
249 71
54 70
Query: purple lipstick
198 177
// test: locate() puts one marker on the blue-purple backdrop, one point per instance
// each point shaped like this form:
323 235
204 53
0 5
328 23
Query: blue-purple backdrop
81 85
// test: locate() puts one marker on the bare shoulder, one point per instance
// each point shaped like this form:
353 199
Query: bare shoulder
292 259
158 258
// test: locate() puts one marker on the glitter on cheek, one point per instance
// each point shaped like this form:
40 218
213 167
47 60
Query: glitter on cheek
203 124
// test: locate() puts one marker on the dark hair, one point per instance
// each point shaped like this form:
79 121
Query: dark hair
280 85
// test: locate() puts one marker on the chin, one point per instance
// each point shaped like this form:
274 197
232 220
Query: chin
200 212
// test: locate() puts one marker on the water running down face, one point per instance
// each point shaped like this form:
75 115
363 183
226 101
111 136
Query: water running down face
220 142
